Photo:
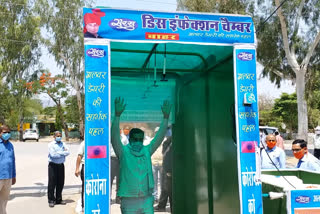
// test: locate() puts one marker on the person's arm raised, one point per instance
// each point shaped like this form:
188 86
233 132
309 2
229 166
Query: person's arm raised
115 130
157 140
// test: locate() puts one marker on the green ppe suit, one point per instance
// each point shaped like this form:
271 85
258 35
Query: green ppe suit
136 177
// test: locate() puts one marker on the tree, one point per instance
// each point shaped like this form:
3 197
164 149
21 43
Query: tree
313 97
265 107
287 48
285 108
57 89
72 115
19 48
64 22
217 6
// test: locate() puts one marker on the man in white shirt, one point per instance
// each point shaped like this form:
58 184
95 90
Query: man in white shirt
306 159
316 142
272 155
80 161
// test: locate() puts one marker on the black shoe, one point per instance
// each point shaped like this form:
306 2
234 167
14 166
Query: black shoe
51 204
61 202
159 209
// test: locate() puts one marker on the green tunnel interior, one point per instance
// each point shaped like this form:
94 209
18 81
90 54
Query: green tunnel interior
199 82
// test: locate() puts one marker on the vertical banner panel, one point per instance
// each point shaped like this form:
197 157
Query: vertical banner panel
97 126
247 130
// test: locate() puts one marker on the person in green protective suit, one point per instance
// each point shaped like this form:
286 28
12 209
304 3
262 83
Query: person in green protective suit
136 177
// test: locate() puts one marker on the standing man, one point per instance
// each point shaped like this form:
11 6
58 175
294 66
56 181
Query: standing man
316 142
166 174
136 179
80 161
156 161
57 156
272 155
115 167
306 159
279 140
7 167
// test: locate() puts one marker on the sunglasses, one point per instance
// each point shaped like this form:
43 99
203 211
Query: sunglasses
6 132
296 150
271 140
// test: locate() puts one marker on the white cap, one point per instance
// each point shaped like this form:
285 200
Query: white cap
317 128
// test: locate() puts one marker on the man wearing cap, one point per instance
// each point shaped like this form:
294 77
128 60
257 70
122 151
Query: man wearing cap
136 178
316 142
92 22
306 160
272 156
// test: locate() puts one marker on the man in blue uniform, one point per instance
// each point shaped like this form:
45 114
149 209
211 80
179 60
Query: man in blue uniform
57 156
7 167
272 155
306 159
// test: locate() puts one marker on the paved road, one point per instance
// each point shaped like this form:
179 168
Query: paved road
29 194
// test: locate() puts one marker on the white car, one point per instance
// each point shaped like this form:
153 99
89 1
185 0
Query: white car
30 134
268 129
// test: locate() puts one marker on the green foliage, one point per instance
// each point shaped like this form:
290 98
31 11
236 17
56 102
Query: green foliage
20 36
313 97
285 109
8 108
217 6
19 55
49 111
72 113
301 32
63 19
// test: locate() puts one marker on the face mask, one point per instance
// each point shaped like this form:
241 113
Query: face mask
271 144
6 136
136 146
58 139
299 154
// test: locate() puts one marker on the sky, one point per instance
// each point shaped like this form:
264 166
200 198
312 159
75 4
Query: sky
265 87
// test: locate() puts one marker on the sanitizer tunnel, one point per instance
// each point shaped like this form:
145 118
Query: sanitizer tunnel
205 65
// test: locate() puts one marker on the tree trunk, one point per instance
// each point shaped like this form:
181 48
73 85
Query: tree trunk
302 106
80 107
64 125
21 128
21 119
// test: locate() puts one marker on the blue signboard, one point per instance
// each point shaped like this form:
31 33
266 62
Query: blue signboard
145 26
303 201
248 130
161 26
97 122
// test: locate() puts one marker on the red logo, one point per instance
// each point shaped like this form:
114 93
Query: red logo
248 146
96 152
162 36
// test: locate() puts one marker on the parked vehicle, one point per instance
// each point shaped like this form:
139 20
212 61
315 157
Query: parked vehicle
267 129
30 134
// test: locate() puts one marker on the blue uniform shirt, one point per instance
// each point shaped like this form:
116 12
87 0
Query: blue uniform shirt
57 152
7 161
309 162
276 154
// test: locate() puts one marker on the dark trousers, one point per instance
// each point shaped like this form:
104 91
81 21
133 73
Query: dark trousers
56 182
166 192
82 186
115 167
317 153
